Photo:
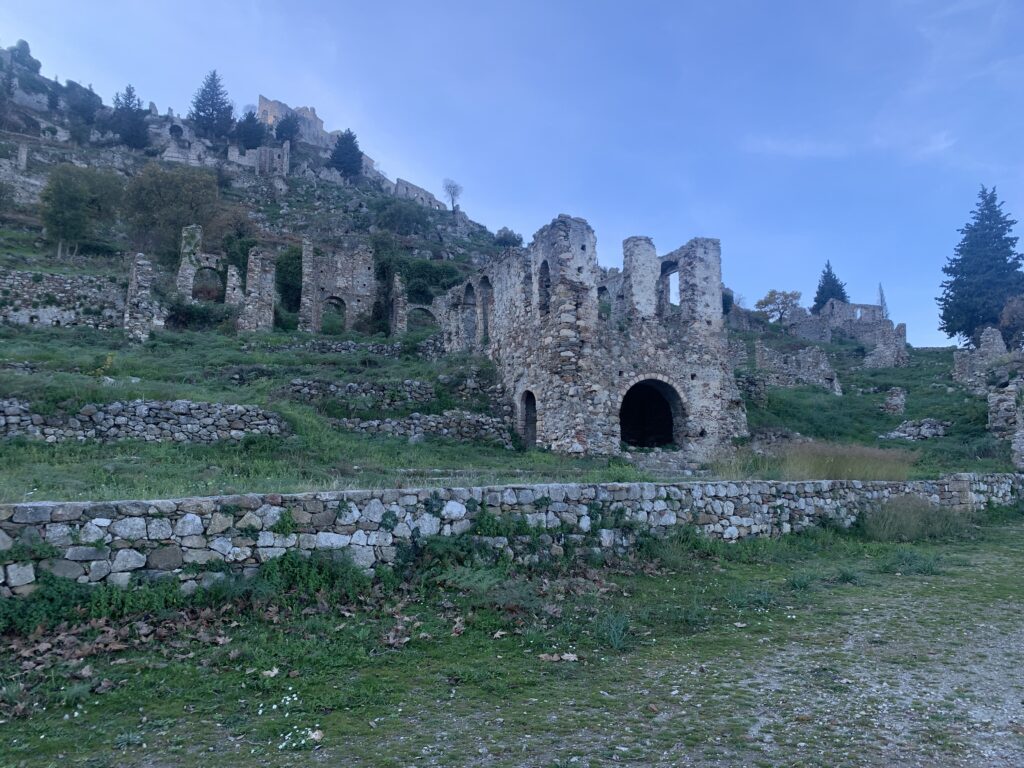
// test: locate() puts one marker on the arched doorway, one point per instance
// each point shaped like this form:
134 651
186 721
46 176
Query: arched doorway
207 285
528 415
332 319
651 415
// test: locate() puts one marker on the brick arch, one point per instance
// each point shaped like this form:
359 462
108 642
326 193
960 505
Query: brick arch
645 403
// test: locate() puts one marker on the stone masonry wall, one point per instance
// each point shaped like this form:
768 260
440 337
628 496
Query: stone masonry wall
108 542
30 298
464 426
180 421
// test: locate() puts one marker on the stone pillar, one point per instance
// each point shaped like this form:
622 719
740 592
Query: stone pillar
140 311
700 286
258 310
286 155
641 272
22 157
191 245
399 322
309 319
233 295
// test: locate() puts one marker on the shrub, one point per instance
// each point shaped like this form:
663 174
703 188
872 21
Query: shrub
201 316
912 519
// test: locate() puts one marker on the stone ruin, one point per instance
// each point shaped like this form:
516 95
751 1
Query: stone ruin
971 366
341 281
256 301
864 323
595 359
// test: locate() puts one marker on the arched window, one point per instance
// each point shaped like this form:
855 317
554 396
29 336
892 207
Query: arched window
528 419
420 319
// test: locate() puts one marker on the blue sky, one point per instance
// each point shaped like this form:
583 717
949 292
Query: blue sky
794 131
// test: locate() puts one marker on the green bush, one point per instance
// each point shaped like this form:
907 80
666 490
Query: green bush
199 316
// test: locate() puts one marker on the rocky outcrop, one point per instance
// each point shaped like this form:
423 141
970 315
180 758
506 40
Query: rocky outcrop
179 421
925 429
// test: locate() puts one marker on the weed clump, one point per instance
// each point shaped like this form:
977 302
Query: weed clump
908 519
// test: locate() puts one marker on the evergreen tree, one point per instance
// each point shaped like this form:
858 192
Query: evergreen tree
76 201
129 120
346 156
984 271
287 128
211 109
882 303
249 131
829 287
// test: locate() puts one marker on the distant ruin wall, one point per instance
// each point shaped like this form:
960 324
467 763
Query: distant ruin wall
109 542
178 421
35 298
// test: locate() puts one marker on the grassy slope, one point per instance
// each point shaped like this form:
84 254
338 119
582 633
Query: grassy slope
71 366
856 417
805 651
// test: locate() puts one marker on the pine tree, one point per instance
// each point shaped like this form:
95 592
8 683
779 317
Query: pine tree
346 156
249 131
287 128
882 303
211 109
829 287
129 121
984 271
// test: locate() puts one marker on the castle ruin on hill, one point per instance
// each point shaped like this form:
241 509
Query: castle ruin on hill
593 358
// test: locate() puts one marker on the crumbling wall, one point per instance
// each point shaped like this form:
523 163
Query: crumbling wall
971 366
866 324
409 191
142 313
36 298
545 316
342 275
260 289
193 259
792 368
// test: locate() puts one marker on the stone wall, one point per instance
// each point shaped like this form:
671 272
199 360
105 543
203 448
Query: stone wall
866 324
180 421
108 542
464 426
35 298
342 280
142 313
808 366
971 366
260 291
382 395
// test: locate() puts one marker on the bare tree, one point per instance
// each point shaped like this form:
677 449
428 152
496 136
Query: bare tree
452 190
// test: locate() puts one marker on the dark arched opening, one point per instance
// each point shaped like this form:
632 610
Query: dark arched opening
486 298
332 320
651 414
208 285
420 319
544 289
528 409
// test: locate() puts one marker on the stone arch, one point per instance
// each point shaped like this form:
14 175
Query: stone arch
208 285
468 311
544 289
528 418
651 413
334 315
420 318
486 302
604 303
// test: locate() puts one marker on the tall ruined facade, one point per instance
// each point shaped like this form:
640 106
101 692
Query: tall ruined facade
595 359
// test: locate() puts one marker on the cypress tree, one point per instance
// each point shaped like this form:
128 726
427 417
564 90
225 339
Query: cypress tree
346 156
829 287
129 120
211 110
984 271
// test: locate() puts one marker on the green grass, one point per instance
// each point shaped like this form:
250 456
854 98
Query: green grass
73 365
689 646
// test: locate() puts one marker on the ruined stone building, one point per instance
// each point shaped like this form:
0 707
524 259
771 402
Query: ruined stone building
338 284
594 358
886 344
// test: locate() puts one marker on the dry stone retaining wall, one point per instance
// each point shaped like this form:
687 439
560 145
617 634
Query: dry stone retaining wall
464 426
383 395
30 298
107 542
180 421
